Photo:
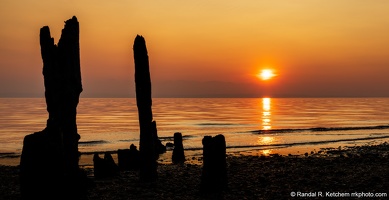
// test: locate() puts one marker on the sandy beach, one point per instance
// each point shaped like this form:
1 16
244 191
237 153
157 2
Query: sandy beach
353 171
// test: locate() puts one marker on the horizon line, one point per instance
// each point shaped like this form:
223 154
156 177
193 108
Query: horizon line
197 97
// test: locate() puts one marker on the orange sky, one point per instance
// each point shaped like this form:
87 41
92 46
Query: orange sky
319 48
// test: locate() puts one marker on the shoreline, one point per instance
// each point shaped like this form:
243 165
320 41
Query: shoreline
194 155
344 170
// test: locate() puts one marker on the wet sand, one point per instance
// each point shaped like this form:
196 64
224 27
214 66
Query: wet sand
331 171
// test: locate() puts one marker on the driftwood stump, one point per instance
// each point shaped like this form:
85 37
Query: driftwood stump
178 151
49 161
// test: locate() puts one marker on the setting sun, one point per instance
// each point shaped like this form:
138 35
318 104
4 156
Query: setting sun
266 74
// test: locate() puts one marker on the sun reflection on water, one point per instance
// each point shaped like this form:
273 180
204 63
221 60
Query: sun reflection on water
266 113
266 152
265 140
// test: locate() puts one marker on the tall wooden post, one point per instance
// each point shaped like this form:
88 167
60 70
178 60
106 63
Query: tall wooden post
148 165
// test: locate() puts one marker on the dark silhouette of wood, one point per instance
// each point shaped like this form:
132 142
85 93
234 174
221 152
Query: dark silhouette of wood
51 156
148 164
104 168
178 151
62 78
214 175
128 159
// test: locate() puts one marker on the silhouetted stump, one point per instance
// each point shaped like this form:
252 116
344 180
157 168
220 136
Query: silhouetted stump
124 159
214 175
113 168
106 167
178 151
148 164
51 156
208 166
99 166
128 159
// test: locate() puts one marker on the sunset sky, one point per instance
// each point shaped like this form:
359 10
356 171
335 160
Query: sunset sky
317 48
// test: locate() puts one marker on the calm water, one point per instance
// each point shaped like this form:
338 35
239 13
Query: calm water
111 124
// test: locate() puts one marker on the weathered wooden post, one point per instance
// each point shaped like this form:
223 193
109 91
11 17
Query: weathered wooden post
148 165
214 175
178 151
49 161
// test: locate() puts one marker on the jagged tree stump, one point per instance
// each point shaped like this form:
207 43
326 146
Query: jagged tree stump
148 164
49 161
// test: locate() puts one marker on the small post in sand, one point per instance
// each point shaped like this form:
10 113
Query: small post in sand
214 175
178 151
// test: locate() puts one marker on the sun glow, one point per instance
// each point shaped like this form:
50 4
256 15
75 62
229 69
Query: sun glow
266 74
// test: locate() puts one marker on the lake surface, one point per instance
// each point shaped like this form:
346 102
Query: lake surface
260 125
